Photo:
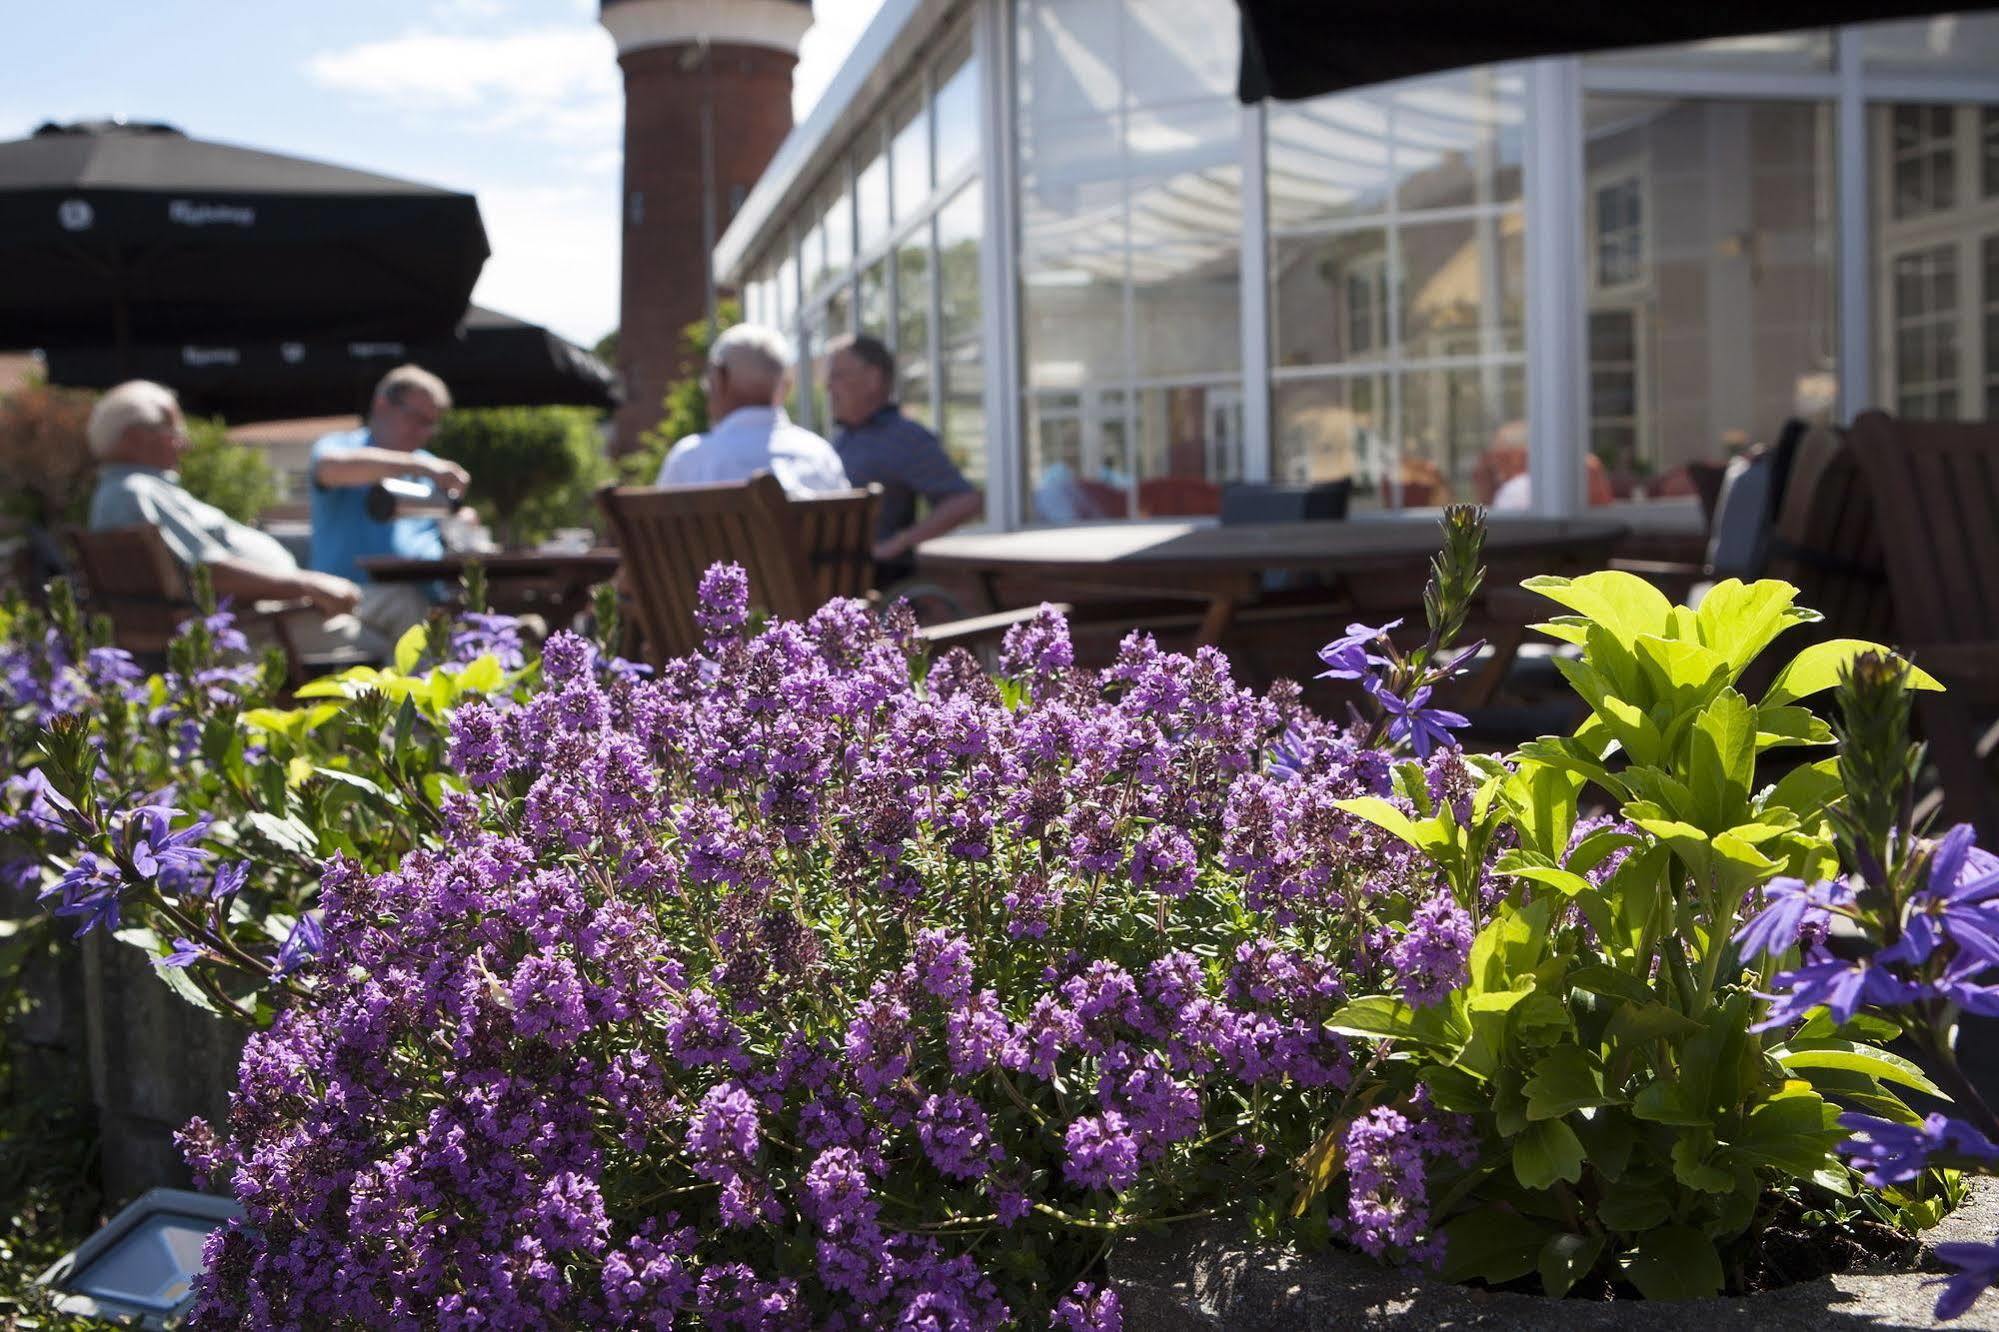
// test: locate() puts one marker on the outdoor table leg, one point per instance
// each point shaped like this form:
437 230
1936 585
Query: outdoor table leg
1216 621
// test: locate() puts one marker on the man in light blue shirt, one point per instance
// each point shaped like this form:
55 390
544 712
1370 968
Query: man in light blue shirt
348 464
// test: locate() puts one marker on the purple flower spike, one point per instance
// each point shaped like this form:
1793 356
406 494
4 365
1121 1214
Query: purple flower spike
1414 721
1348 658
1978 1267
1088 1309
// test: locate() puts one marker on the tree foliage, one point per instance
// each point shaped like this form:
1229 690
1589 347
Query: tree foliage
533 468
685 406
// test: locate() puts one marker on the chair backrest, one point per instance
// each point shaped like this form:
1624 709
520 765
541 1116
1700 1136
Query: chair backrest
129 575
668 536
1828 544
1177 497
836 534
121 562
1935 485
1260 502
1738 536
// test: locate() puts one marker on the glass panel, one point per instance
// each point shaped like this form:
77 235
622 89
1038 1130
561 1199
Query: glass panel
910 154
1942 44
1072 197
812 257
787 290
1921 157
1331 428
1329 297
1462 287
1450 141
958 119
1079 463
912 323
839 311
808 395
1456 432
871 190
1185 225
1808 50
1068 57
1717 216
1991 248
839 234
960 225
1179 50
873 311
1189 442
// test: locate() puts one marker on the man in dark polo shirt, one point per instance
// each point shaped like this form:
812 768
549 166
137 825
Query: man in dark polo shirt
878 444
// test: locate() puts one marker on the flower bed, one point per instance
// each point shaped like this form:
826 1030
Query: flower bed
813 982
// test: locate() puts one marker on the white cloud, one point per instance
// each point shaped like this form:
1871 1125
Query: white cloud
836 26
560 83
555 257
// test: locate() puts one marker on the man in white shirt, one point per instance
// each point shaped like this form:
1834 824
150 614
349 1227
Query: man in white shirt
745 382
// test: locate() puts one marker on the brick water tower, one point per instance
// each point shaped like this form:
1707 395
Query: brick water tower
707 102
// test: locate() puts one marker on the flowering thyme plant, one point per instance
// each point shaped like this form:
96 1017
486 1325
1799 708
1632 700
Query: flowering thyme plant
812 983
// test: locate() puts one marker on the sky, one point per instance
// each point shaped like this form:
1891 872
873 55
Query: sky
516 101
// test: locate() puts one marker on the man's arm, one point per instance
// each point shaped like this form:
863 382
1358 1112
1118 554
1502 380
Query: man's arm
366 466
949 512
247 582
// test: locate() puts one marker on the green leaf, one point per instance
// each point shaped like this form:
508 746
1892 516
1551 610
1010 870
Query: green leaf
1741 620
1454 1089
483 676
1637 1023
1674 1263
409 649
1691 1167
1855 1057
1664 1101
1612 983
1817 668
1789 725
1545 1151
1634 1205
1722 764
1794 1130
355 780
1566 882
1491 1245
1511 944
1806 790
1567 1259
177 980
1682 675
288 833
1608 1138
1563 1081
1542 800
1598 847
1386 1015
1622 603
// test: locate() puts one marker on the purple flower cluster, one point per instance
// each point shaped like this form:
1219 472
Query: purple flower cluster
787 988
1388 1155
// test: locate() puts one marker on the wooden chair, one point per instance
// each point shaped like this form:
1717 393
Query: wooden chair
130 576
1935 486
796 553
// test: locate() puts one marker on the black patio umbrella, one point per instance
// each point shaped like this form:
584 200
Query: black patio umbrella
1303 48
116 234
490 360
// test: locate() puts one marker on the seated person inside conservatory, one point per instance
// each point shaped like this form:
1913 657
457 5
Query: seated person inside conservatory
137 434
747 369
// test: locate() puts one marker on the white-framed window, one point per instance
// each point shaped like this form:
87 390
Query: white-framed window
1617 232
1617 432
1922 164
1937 264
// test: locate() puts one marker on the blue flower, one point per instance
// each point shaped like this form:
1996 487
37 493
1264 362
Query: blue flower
1287 755
89 889
1416 722
301 946
229 880
1842 987
1887 1153
160 853
1955 904
1978 1267
1791 905
185 951
1348 658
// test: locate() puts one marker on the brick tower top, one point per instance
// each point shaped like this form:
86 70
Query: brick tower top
707 102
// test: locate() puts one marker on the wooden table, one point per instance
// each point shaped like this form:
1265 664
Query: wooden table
553 584
1223 567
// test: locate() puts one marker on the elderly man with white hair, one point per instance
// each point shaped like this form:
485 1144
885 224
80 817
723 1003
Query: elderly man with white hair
747 367
137 433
